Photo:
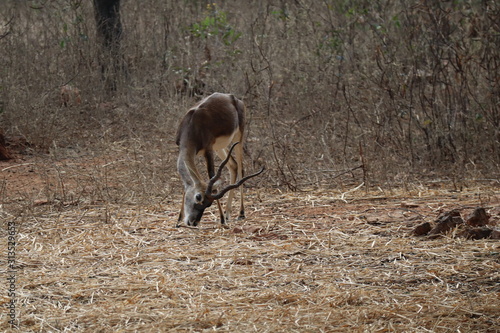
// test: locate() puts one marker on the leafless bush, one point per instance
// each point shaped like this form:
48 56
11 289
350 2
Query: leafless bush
405 90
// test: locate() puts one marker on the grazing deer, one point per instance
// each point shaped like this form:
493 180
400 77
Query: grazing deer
211 126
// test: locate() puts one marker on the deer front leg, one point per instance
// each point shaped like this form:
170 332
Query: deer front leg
181 213
221 213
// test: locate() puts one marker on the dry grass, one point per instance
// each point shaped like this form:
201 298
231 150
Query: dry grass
306 262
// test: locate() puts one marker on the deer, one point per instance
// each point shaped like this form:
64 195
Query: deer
214 125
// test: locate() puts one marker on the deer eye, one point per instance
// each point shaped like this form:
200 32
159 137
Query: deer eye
198 197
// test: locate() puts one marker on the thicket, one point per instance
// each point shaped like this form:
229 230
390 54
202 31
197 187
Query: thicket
390 91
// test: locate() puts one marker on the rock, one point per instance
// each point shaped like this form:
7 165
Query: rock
478 218
446 222
444 216
476 233
237 230
422 229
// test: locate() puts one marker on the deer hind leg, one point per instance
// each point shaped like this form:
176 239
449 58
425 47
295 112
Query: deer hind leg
232 166
239 167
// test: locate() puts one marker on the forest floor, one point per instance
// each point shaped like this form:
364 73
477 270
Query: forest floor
321 260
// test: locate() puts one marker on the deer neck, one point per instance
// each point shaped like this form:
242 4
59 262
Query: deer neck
187 169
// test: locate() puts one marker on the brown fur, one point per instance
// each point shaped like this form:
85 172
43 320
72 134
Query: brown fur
213 117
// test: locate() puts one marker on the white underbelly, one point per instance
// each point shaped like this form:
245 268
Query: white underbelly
222 142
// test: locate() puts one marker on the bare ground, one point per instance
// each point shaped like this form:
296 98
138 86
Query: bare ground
314 261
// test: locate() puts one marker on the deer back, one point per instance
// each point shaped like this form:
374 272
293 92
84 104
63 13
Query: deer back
218 115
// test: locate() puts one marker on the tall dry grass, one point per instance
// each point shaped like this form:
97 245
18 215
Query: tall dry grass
409 91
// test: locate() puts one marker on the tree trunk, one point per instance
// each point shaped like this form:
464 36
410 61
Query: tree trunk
4 153
109 33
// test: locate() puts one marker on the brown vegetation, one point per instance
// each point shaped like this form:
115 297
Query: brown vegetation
371 117
70 96
408 91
